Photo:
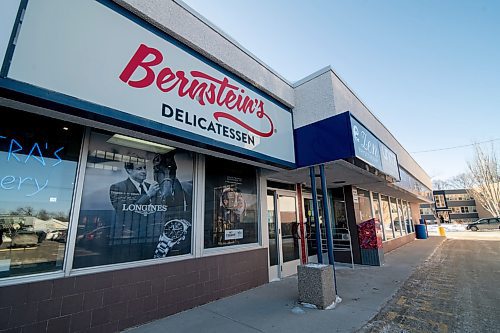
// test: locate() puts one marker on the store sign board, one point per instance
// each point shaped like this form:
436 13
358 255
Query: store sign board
368 148
119 64
8 12
389 161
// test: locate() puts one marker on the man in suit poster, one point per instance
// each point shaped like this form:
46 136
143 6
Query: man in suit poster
127 202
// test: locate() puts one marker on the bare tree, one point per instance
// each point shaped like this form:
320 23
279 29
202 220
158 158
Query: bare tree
482 179
27 211
438 184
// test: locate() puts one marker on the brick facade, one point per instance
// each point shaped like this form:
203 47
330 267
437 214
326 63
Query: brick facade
393 244
112 301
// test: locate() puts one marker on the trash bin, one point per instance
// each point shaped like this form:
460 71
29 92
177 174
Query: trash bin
420 231
424 222
442 231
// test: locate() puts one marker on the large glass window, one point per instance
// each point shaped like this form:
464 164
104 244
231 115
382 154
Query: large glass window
136 201
230 203
39 158
412 222
340 215
339 210
386 214
396 217
377 210
365 210
406 218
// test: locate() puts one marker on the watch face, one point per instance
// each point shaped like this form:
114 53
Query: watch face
175 229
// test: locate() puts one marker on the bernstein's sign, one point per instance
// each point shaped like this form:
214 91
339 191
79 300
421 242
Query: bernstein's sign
88 51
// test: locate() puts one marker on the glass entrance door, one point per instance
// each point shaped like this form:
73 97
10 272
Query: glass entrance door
312 249
284 240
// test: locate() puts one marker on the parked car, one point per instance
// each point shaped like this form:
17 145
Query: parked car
57 235
95 238
24 238
485 224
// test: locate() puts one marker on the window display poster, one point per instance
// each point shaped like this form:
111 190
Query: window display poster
230 203
136 202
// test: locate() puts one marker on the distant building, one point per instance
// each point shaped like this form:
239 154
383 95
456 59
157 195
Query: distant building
454 205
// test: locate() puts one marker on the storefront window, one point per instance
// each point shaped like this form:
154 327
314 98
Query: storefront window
406 221
396 216
39 158
230 203
386 215
340 216
412 223
365 210
376 209
136 201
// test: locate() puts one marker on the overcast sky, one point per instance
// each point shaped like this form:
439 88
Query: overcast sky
429 70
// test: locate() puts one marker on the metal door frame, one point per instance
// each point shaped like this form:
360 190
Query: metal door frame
283 269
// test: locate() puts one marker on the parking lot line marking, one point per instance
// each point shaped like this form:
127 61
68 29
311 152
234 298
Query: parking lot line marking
18 249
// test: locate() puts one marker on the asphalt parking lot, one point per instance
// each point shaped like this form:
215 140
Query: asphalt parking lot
455 290
454 231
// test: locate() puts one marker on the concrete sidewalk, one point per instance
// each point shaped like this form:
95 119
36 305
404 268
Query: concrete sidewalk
273 307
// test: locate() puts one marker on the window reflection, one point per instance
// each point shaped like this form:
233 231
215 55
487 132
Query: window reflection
38 166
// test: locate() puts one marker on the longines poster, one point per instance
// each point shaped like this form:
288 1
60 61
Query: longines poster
136 202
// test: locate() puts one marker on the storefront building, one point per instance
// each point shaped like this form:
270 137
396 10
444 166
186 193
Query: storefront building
149 164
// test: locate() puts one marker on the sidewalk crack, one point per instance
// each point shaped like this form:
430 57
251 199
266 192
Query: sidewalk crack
234 320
